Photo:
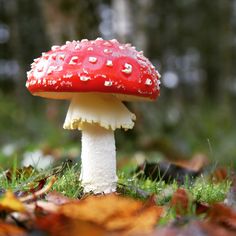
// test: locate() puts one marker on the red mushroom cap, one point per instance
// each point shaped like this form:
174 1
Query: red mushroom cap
103 66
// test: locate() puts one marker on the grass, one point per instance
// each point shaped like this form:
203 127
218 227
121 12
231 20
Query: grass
202 190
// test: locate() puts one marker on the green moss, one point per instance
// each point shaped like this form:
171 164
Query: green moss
209 192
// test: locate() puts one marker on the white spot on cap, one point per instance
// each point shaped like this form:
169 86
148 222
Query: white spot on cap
77 46
84 78
158 74
55 47
52 82
84 40
68 42
128 68
73 60
66 83
60 68
28 73
121 47
90 49
99 39
107 51
67 76
62 57
93 59
108 83
148 82
45 55
128 45
63 47
109 63
158 84
36 59
114 40
51 69
27 84
107 44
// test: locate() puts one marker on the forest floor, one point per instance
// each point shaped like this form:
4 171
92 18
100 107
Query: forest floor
165 198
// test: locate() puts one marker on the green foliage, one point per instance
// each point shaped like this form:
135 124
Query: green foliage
68 183
209 192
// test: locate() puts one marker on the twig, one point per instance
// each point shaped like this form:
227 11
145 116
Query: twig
40 192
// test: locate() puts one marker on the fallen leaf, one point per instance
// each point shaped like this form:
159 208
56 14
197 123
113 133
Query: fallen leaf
231 195
223 215
10 230
215 229
181 202
220 174
61 225
9 203
114 213
99 209
143 222
40 192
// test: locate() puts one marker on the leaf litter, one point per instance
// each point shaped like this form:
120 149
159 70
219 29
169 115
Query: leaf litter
41 211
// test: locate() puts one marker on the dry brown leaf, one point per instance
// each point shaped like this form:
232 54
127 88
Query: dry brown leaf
114 213
10 203
99 209
181 201
10 230
61 225
220 174
143 222
196 163
222 215
40 192
215 230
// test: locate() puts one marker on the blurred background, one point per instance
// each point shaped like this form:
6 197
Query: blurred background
191 42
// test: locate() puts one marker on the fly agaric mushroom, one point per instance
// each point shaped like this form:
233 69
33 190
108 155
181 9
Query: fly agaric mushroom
96 76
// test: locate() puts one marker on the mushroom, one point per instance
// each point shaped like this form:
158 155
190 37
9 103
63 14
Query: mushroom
96 76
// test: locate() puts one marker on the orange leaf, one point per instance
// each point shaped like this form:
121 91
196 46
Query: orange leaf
114 213
99 209
222 215
180 201
10 230
220 174
61 225
143 222
10 203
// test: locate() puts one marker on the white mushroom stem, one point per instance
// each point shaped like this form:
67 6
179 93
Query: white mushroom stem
98 156
97 116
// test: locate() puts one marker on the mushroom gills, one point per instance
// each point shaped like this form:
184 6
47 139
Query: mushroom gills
104 109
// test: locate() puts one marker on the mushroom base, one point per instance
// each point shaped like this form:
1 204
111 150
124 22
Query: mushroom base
98 156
